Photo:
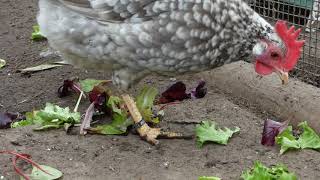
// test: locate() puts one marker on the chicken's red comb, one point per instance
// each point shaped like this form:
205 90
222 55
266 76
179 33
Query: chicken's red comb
293 45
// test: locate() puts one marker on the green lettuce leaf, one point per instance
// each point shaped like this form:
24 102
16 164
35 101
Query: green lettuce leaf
145 101
52 116
120 121
37 174
207 131
118 126
22 123
287 140
113 103
309 139
261 172
88 84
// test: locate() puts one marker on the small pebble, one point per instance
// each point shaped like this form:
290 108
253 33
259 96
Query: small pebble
166 164
112 169
173 79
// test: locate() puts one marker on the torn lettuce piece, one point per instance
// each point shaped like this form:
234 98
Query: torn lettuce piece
87 85
120 121
52 116
113 104
37 174
178 92
309 139
286 140
208 131
22 123
261 172
118 126
145 103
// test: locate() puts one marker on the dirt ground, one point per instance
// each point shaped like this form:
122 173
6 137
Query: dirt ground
126 157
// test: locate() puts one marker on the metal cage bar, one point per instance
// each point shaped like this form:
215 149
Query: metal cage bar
306 15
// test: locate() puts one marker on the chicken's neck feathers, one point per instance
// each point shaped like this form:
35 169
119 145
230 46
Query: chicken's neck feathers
264 29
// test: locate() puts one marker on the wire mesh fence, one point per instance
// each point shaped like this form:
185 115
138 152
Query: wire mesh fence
306 15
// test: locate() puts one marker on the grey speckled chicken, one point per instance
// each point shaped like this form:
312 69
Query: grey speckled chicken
134 38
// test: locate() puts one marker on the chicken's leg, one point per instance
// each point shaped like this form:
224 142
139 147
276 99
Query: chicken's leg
124 78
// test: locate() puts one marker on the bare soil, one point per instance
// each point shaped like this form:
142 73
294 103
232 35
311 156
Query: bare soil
126 157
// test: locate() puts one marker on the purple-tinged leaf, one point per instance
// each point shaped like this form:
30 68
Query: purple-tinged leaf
87 119
5 121
200 91
270 130
67 87
176 92
99 97
7 118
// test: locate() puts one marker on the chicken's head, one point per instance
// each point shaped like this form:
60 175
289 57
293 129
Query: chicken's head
278 57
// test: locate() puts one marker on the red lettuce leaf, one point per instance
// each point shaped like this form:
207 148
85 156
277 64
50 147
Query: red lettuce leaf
200 91
67 87
99 96
270 130
178 92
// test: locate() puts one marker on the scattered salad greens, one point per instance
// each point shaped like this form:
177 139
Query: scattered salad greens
52 116
261 172
308 139
208 131
120 121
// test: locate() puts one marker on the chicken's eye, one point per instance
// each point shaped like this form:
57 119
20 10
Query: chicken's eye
274 55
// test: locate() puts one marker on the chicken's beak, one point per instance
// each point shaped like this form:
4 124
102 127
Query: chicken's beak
284 76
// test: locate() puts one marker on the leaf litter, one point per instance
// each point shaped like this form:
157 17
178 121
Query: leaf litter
40 67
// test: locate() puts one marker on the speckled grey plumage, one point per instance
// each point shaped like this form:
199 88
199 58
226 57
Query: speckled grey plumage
134 38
